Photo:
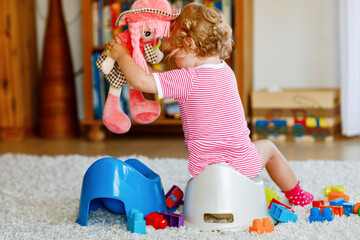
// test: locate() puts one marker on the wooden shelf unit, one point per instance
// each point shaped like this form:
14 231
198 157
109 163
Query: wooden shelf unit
242 60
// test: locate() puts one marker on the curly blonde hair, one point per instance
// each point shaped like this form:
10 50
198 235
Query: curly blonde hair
202 31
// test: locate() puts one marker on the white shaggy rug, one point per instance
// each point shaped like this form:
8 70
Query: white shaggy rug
39 199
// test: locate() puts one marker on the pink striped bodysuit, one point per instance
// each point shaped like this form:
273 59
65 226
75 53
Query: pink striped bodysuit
213 118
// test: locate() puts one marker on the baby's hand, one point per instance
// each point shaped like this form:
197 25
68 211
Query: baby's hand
115 49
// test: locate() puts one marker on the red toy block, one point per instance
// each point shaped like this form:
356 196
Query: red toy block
261 225
174 197
156 220
337 210
337 194
318 203
280 203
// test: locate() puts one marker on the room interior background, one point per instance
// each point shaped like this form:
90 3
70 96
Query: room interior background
296 43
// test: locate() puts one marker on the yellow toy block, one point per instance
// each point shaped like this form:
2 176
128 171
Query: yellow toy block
270 194
339 188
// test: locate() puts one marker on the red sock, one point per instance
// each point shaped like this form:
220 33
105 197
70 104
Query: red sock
297 196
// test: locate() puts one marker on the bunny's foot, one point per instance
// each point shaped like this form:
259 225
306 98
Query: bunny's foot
114 118
142 110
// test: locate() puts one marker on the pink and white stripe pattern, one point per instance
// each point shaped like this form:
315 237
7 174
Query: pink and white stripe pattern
213 118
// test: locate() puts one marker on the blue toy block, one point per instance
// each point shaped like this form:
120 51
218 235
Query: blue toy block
119 187
338 202
348 208
136 222
174 197
282 214
316 216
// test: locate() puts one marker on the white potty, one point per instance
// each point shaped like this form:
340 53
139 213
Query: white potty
221 191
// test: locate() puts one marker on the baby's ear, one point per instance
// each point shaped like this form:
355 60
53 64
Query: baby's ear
190 44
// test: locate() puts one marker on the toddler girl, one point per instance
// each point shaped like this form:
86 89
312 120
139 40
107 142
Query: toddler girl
211 111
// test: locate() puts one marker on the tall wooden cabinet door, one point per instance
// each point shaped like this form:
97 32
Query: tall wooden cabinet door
18 69
7 93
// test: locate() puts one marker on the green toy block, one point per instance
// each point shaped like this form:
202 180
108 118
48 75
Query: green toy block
270 194
339 188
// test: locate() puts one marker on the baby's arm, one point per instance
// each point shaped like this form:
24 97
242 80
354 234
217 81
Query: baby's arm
134 74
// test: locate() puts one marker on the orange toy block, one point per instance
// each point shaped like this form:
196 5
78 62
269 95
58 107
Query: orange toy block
261 225
337 194
356 208
337 210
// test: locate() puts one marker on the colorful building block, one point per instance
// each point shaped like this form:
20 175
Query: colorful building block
280 203
337 202
348 208
337 210
261 225
156 220
174 197
337 194
136 222
339 188
318 203
316 216
356 208
282 214
270 194
173 219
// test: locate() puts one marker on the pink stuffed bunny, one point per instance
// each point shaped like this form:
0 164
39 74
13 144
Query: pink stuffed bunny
148 22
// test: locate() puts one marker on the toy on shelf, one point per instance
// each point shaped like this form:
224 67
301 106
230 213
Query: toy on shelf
174 197
222 192
156 220
173 219
120 187
261 226
337 194
270 194
339 188
148 21
282 214
136 222
316 216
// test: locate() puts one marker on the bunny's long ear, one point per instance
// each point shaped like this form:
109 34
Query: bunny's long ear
113 116
142 110
135 43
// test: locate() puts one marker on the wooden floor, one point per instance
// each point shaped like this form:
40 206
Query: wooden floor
346 149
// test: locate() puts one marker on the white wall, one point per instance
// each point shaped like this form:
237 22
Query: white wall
296 43
73 20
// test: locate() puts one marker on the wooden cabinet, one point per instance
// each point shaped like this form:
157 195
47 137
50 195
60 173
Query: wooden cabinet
18 69
242 61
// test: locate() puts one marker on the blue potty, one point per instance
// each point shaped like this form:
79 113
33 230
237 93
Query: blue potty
119 187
